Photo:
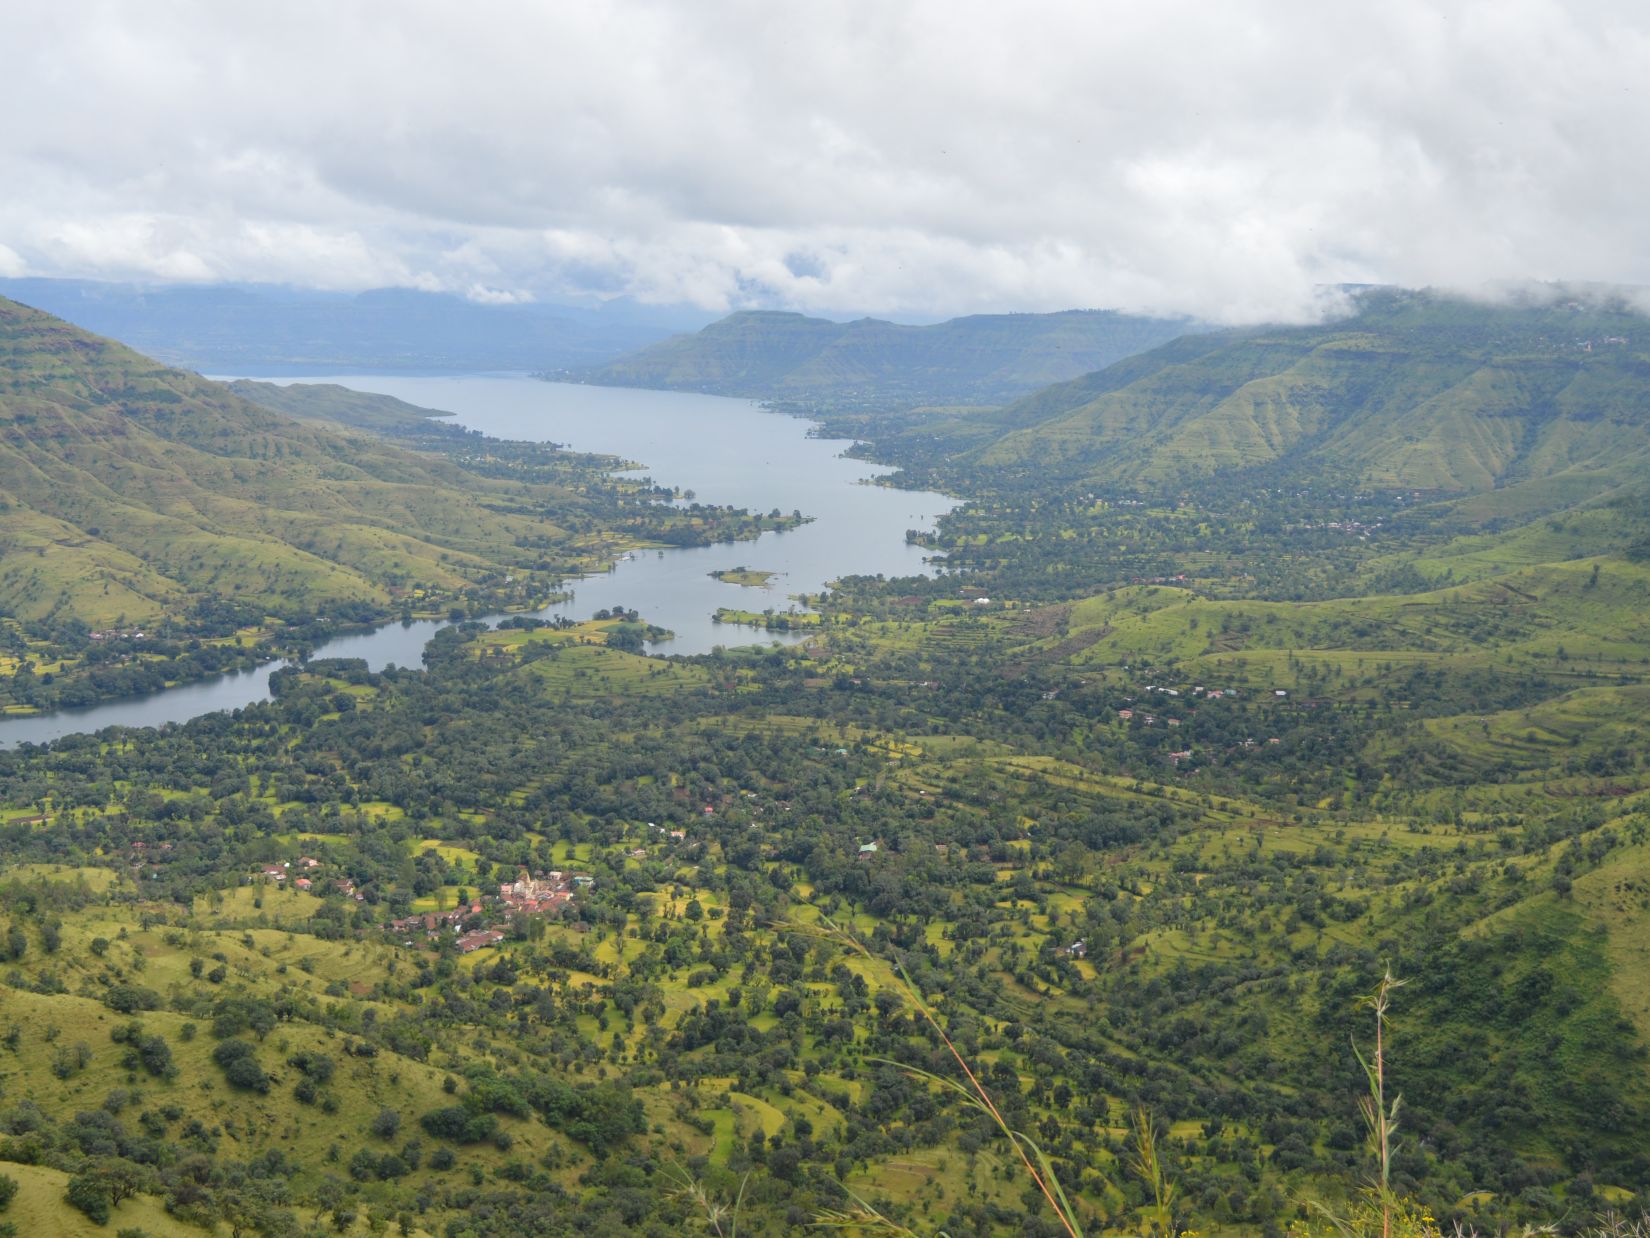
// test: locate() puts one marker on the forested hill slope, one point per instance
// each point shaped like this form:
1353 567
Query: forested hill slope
130 492
1416 390
976 360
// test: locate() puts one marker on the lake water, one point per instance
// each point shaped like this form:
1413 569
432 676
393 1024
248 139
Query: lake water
724 450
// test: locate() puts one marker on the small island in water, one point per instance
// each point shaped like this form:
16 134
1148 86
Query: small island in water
746 577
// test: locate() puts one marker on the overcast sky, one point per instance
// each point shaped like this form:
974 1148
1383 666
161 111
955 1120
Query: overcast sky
1222 158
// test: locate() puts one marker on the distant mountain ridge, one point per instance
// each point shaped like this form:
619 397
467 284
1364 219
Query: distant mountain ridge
981 359
268 330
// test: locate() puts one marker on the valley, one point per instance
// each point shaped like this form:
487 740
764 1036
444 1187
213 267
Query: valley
1231 692
161 528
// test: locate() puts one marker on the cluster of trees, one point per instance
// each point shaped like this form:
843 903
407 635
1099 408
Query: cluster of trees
1111 923
1012 861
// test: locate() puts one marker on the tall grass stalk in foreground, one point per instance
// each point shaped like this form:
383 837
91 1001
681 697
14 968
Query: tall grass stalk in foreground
1148 1163
1381 1210
1381 1120
1613 1225
1032 1158
715 1211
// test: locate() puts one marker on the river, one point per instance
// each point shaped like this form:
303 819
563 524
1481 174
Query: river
724 450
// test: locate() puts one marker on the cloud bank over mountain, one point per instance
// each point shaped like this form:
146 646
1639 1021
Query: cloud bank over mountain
931 158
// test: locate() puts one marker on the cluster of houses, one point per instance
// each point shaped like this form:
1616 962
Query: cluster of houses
432 924
279 873
526 895
477 938
533 895
1128 715
1146 719
1208 694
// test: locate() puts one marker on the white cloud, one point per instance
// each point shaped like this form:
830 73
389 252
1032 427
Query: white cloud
483 295
1224 160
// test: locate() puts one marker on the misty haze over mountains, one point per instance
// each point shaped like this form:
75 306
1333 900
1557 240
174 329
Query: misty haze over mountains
273 329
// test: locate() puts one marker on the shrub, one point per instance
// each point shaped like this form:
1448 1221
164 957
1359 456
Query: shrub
459 1125
600 1117
498 1095
69 1060
234 1015
91 1195
131 998
317 1067
152 1054
240 1066
363 1166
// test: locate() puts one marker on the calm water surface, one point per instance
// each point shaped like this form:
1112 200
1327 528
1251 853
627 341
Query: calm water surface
725 451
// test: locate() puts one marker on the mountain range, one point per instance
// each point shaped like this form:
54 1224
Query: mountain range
1542 405
982 359
266 329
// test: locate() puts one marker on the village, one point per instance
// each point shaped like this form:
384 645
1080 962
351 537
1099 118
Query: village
1178 758
551 894
474 921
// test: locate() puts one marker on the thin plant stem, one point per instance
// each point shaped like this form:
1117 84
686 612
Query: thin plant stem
1381 1119
1149 1164
1054 1195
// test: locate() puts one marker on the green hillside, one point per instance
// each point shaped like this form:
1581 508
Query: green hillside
132 491
330 402
1413 391
140 499
981 359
